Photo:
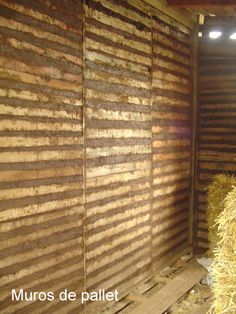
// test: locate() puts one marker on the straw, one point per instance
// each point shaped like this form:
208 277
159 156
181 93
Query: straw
223 269
217 191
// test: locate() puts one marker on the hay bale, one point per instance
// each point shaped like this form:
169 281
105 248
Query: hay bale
217 191
224 267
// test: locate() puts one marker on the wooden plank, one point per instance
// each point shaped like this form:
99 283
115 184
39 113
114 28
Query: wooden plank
225 29
118 145
200 3
169 294
220 20
193 212
140 286
136 298
216 129
76 155
41 143
165 121
184 17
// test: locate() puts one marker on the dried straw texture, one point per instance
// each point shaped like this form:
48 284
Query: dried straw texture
224 267
217 191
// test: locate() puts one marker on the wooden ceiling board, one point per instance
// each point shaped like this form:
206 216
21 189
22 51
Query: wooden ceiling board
201 3
206 7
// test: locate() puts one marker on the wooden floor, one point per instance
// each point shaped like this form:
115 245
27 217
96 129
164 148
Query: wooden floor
174 290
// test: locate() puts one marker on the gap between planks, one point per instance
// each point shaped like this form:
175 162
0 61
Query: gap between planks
141 288
172 291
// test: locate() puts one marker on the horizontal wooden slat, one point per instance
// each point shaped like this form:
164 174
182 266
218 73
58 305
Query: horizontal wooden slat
170 138
95 145
166 296
118 136
217 133
41 153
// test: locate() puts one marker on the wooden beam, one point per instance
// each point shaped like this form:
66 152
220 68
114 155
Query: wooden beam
193 214
225 29
174 290
200 3
220 21
182 16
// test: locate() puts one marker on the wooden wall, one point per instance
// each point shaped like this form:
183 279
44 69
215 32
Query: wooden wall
217 120
137 141
41 153
95 146
171 137
118 143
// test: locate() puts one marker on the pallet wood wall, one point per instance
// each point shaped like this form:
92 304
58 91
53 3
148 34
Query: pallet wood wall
217 120
95 145
171 137
41 153
118 143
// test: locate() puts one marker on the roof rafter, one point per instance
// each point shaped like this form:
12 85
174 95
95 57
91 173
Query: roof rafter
201 3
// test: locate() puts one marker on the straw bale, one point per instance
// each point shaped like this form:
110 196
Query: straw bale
223 269
217 191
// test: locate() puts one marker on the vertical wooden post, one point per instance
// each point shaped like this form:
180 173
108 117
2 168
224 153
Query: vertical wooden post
84 153
192 224
151 172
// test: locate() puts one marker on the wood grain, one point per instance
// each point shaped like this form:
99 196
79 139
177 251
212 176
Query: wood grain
216 127
172 291
95 146
41 221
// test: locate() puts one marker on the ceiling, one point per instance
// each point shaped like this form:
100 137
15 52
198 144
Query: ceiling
214 10
206 7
